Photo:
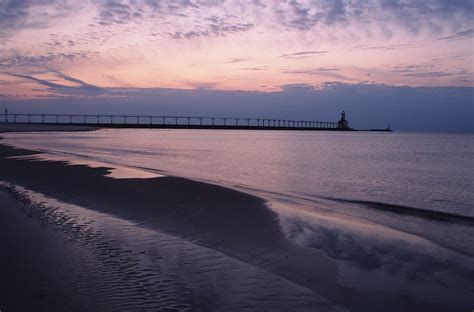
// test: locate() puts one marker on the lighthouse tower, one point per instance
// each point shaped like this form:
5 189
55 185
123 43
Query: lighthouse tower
343 123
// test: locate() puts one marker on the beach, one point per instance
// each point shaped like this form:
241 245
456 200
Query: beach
208 214
163 243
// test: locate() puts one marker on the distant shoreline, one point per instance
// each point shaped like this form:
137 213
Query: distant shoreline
17 127
23 127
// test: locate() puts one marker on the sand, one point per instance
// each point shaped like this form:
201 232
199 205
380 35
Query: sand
238 224
36 265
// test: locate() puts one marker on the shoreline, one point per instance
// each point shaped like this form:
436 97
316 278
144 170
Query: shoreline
12 127
237 224
83 259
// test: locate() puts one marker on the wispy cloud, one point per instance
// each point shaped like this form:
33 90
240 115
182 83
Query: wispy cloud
258 3
16 15
79 87
47 60
411 15
412 68
431 74
384 47
237 60
254 68
431 71
460 35
115 12
202 85
297 87
215 27
328 72
303 54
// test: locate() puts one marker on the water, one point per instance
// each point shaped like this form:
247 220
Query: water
428 171
393 209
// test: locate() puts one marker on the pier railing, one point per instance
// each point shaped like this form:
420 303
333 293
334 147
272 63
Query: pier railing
157 121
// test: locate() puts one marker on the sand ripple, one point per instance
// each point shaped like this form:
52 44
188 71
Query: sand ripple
126 267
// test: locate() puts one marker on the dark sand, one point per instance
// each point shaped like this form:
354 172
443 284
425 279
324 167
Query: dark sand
235 223
34 272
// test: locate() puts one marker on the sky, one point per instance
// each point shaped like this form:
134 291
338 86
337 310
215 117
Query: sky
408 62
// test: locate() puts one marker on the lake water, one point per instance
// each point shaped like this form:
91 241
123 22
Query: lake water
396 207
428 171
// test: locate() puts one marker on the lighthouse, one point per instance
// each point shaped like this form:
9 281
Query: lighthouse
343 124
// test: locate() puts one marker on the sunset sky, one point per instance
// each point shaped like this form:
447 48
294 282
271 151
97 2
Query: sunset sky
103 49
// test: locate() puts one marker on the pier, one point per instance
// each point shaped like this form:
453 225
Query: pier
170 122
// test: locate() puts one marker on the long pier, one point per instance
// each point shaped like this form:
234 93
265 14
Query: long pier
168 122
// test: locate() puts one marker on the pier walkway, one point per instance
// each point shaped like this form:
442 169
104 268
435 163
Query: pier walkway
168 122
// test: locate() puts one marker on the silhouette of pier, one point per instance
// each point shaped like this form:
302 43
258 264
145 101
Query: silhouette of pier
169 122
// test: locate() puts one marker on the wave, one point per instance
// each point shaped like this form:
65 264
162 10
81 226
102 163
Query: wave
435 215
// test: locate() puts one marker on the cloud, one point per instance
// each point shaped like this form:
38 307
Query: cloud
239 30
384 47
16 15
412 16
117 12
305 16
79 88
328 72
432 74
202 85
189 35
258 3
327 69
460 35
303 54
254 68
80 83
432 70
182 4
214 27
12 13
418 15
237 60
297 87
412 68
14 58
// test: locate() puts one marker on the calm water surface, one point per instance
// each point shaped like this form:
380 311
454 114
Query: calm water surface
428 171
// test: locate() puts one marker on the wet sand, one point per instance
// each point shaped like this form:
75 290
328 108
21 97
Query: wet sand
63 257
236 224
34 273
